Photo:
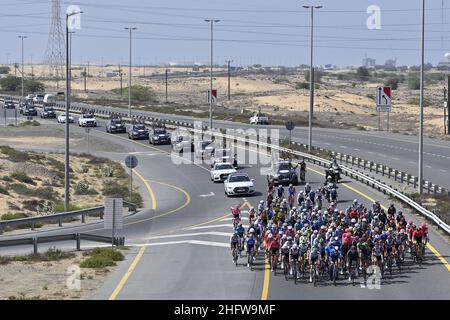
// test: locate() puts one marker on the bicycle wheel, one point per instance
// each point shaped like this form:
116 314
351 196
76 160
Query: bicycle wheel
294 272
334 274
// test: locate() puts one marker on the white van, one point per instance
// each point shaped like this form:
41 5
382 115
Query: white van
49 99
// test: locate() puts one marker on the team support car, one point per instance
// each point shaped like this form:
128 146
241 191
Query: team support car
116 126
138 131
29 110
221 171
48 112
9 104
239 184
283 172
62 118
159 136
87 120
221 155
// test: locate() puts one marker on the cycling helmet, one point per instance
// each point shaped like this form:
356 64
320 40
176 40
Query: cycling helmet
251 230
402 231
240 224
270 236
400 213
336 248
290 185
285 245
280 232
355 201
289 227
294 246
307 184
353 221
356 225
262 202
289 238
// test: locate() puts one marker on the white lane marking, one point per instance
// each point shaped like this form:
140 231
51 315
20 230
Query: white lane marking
428 166
370 152
442 170
396 159
412 162
356 149
211 194
208 233
343 147
228 225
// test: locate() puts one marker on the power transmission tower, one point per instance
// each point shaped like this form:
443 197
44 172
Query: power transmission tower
55 46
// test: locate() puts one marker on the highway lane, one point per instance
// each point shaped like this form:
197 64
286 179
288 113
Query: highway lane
392 149
202 268
168 255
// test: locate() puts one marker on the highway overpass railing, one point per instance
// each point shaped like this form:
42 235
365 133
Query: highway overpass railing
33 222
77 237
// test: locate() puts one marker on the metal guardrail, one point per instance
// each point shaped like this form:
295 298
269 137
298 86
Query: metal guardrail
35 241
376 184
60 217
396 174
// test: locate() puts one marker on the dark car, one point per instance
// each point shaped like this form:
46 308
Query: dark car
283 173
116 126
9 104
138 131
159 136
48 112
29 110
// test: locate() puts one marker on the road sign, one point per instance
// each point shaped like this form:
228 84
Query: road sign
214 95
113 214
131 162
384 99
290 125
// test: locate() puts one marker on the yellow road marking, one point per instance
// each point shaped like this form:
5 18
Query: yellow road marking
150 191
439 256
127 274
265 291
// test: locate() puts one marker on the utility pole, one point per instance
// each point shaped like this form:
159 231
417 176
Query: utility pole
68 73
211 72
448 105
129 76
420 178
121 80
88 70
229 88
23 75
166 83
311 77
445 110
84 73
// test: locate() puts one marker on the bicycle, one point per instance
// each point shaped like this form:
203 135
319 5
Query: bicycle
314 272
389 262
286 267
251 258
294 268
235 256
334 274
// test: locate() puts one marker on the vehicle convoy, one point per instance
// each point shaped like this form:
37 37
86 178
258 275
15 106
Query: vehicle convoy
221 171
48 112
116 125
62 118
283 172
138 131
221 155
159 135
87 120
203 149
239 184
259 118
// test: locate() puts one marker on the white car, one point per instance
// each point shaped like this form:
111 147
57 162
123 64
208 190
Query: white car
259 118
87 120
62 118
239 184
221 155
221 171
39 98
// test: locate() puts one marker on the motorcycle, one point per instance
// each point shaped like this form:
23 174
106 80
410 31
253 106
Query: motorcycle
334 174
302 175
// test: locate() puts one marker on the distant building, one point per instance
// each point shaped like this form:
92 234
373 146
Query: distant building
390 63
369 62
444 64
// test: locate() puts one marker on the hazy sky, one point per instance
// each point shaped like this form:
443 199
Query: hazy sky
250 31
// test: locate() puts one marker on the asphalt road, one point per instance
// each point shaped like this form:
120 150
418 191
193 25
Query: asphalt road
180 244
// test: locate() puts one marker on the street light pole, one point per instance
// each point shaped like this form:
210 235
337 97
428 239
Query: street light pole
311 78
66 164
420 178
129 76
229 88
211 72
22 37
